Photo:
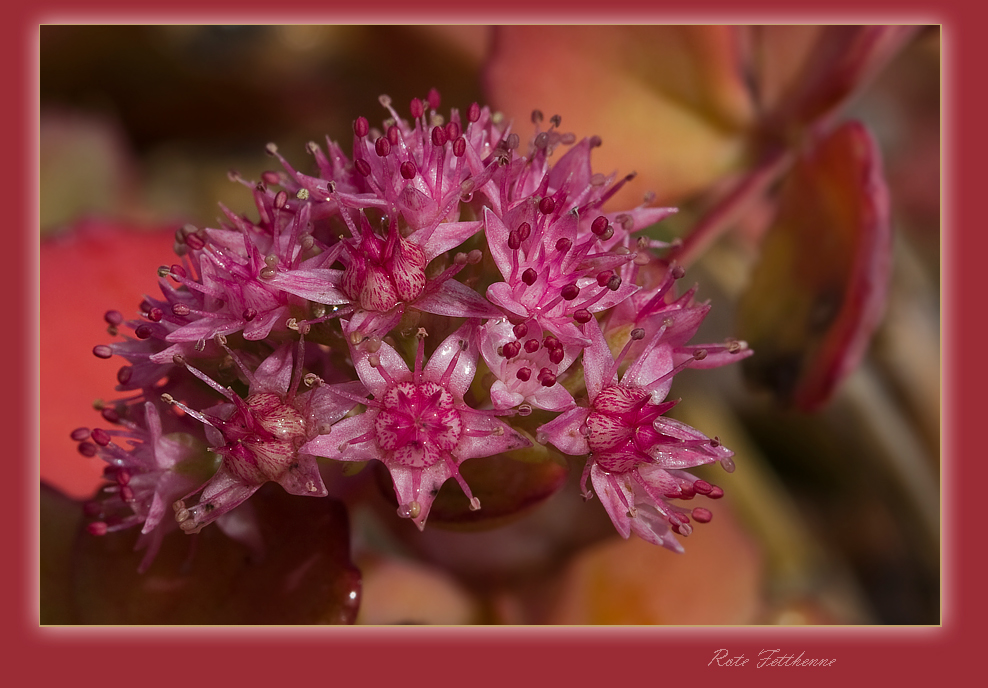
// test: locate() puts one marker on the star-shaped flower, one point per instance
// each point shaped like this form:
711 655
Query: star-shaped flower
417 422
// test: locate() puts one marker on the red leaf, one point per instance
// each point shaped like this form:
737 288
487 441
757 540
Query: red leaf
819 289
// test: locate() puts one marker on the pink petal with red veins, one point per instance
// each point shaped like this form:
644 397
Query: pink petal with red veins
819 290
564 432
597 360
612 298
501 294
261 326
464 342
323 406
616 496
573 169
448 236
304 479
374 324
204 328
328 445
456 300
658 362
554 398
419 485
484 435
386 358
319 285
274 374
503 398
497 241
668 101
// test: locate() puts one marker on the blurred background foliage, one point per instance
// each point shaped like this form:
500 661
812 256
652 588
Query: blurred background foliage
831 516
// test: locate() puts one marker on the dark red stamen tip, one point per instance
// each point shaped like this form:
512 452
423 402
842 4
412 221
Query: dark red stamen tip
143 331
361 126
524 230
473 112
249 314
87 449
532 345
511 349
362 166
547 205
417 108
113 317
715 492
599 225
438 136
382 147
394 135
595 142
100 437
564 244
614 283
604 277
550 342
701 515
460 147
452 131
96 528
102 351
434 98
524 374
520 330
514 240
570 291
110 415
407 170
177 270
80 434
124 374
529 276
556 355
154 315
547 377
583 316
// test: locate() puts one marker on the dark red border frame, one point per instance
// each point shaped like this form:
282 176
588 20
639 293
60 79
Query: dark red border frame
506 656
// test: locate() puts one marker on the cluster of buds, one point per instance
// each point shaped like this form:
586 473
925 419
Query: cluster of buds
300 338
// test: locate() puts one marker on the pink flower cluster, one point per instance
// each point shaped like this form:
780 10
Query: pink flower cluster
301 336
